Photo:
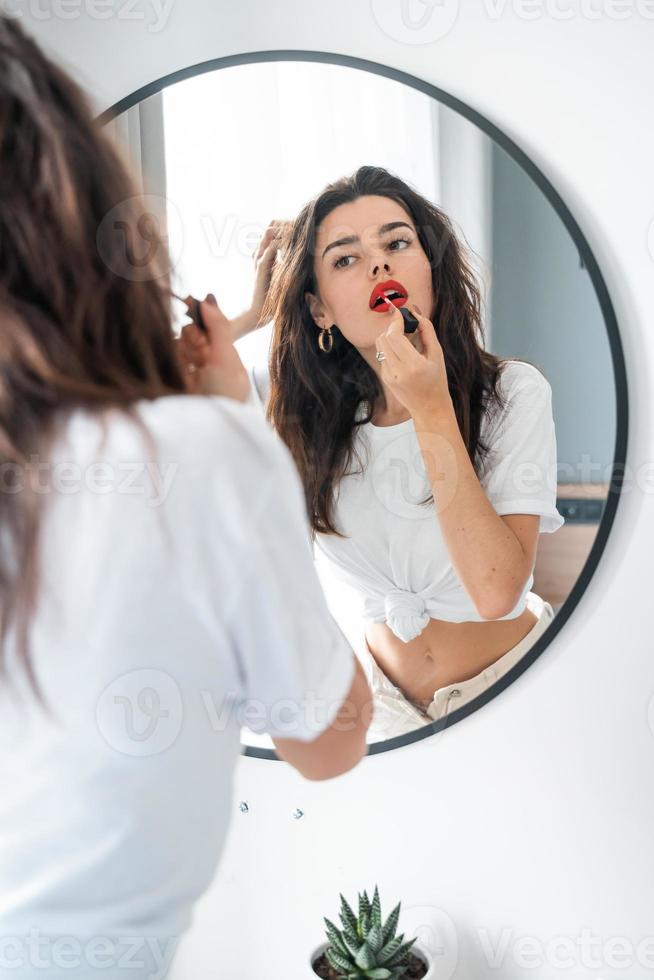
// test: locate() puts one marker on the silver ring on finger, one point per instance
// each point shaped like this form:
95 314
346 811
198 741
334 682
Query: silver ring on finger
380 355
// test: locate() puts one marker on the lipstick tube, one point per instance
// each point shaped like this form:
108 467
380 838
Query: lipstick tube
410 321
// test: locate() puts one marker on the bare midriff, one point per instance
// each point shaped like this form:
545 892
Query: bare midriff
444 653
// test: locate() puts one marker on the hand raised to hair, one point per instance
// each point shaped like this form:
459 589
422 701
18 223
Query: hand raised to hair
264 259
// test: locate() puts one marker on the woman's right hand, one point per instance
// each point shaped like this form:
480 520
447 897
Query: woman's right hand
208 359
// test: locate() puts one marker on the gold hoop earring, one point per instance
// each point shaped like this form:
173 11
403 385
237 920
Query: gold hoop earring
321 337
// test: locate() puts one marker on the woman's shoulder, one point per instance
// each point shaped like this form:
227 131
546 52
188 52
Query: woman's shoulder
517 374
521 386
205 428
219 427
187 418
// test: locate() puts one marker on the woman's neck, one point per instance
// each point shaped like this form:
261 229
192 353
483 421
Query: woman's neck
389 411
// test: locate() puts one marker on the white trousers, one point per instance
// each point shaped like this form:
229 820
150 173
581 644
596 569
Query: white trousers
395 715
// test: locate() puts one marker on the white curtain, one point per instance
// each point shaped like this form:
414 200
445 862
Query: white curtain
139 135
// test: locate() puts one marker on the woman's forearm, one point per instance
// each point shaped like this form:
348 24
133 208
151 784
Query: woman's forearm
243 324
486 555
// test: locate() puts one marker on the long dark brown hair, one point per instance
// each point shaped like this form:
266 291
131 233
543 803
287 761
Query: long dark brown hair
314 396
80 323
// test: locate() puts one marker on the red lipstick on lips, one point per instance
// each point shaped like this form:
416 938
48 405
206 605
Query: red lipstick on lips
378 301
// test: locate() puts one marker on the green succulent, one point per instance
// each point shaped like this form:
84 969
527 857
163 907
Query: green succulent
364 947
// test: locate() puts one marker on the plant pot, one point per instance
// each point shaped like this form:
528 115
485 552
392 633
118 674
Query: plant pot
419 951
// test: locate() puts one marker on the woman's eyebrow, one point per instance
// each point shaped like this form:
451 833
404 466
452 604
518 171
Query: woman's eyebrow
351 239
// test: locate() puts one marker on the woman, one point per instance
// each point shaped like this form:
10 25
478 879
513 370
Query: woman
151 539
447 605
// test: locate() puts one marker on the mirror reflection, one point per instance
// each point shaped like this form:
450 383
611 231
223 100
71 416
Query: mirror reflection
455 462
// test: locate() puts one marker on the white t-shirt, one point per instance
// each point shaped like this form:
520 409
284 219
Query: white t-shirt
394 554
177 604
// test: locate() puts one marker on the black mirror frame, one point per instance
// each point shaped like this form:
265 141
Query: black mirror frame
587 258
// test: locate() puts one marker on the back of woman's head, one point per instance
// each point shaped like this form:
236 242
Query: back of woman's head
77 326
314 396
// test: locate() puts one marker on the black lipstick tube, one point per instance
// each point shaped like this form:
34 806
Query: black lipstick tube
410 321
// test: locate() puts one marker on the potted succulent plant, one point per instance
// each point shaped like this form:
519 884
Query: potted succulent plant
366 947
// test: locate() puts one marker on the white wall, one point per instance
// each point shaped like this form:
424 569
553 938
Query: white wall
534 814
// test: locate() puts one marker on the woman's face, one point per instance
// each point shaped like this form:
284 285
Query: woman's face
382 251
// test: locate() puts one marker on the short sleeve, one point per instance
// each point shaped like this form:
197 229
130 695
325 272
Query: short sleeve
297 665
520 472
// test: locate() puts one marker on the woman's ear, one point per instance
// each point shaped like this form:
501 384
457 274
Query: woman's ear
315 308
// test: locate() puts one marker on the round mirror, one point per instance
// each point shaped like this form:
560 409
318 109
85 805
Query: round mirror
433 206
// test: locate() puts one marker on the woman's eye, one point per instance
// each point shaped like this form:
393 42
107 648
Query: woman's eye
395 241
337 263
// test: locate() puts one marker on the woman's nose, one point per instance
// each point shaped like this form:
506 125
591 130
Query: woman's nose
376 265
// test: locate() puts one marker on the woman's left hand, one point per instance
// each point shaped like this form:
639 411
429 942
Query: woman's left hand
419 380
